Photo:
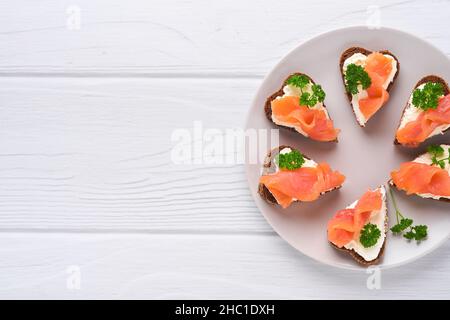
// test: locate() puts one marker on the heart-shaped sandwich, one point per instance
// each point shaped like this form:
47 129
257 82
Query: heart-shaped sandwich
299 106
368 77
360 229
289 176
427 176
426 114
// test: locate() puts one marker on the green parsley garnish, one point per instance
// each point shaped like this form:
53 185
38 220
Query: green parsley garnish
438 151
369 235
418 232
435 150
354 76
402 225
297 80
318 95
290 161
307 98
428 97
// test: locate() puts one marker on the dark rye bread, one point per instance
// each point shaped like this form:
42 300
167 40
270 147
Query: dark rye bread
440 199
279 93
429 78
351 51
268 167
359 258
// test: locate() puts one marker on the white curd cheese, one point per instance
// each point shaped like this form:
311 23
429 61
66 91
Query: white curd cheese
308 162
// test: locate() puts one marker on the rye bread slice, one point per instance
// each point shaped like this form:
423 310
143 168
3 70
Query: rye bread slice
279 93
268 167
351 51
358 258
429 78
440 199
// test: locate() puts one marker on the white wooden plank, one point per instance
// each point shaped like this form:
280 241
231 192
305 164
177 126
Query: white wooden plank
193 37
95 154
193 267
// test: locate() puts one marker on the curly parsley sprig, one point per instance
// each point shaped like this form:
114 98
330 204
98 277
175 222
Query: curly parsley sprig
369 236
307 98
298 80
354 76
418 232
290 161
428 97
436 152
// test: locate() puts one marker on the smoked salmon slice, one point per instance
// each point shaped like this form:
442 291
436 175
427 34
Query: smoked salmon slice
380 64
378 67
418 130
421 178
347 223
313 121
377 97
302 184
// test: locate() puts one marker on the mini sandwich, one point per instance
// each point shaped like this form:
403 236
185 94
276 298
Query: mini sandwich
427 176
299 106
360 229
289 176
368 77
426 114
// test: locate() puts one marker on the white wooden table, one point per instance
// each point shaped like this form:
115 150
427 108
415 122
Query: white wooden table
91 205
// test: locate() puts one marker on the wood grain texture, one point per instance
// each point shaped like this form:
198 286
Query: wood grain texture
193 267
96 154
189 37
86 117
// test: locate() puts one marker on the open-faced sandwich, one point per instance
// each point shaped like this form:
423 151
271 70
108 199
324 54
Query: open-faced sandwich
368 76
360 229
426 176
289 176
427 112
299 105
